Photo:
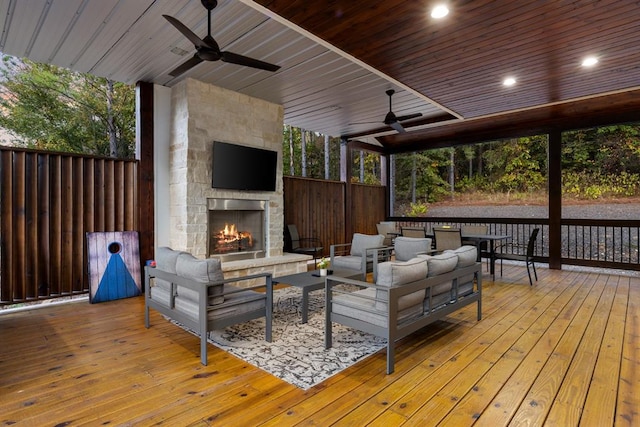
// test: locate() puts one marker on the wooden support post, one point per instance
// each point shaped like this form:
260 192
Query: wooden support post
145 155
555 199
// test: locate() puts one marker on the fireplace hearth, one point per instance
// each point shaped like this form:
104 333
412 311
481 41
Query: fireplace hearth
236 229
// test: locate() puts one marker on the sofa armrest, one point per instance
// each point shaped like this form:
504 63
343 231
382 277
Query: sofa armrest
380 254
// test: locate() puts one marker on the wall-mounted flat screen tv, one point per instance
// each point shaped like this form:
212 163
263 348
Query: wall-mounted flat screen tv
238 167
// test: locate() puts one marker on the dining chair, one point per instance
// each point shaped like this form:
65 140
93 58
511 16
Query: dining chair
420 232
388 230
304 245
519 252
483 250
447 238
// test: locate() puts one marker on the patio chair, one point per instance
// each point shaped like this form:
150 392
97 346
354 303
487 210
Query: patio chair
304 245
388 230
419 232
447 238
359 254
519 252
483 250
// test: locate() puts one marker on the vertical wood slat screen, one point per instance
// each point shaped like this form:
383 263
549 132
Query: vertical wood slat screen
49 201
318 209
367 207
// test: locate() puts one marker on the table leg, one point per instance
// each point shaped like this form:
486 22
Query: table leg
492 262
305 305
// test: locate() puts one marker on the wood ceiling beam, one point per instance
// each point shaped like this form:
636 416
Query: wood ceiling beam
610 109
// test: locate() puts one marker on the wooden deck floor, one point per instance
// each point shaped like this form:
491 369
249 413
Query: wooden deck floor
563 353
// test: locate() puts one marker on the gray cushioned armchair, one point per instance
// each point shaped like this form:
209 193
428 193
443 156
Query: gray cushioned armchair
357 255
194 293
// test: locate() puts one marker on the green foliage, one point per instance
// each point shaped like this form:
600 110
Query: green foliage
517 165
52 108
597 163
371 165
591 186
418 209
292 154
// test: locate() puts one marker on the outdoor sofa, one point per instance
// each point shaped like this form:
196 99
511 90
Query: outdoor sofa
406 296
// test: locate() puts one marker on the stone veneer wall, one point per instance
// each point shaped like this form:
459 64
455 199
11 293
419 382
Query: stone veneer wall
201 114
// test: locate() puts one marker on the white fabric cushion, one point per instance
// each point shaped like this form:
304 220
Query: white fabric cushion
201 271
361 242
361 305
408 247
166 259
467 255
441 263
397 273
393 273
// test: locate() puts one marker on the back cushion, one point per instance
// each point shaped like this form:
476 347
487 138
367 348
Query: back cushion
361 242
166 259
442 263
201 271
408 247
395 273
392 273
467 255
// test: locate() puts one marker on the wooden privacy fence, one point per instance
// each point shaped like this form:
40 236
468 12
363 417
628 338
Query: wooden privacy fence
49 201
321 209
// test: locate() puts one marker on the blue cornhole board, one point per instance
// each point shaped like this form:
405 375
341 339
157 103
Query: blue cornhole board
114 265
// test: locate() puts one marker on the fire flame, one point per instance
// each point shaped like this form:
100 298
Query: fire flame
231 234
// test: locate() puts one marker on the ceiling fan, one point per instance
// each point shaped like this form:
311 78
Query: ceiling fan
208 50
392 120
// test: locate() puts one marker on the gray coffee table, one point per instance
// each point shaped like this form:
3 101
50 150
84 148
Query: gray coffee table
312 281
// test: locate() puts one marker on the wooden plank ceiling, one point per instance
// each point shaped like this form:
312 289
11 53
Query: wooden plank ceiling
460 62
338 58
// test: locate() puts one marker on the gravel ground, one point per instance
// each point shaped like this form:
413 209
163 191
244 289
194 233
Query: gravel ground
604 211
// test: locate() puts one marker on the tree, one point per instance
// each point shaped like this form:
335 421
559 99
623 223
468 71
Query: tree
53 108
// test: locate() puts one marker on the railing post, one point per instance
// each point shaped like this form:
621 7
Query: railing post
555 199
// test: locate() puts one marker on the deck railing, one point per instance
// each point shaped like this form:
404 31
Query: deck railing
584 242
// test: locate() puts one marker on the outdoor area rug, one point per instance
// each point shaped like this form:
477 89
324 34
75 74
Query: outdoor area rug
296 353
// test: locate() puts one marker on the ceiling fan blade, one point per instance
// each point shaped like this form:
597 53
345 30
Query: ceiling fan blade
234 58
186 66
409 117
397 126
193 37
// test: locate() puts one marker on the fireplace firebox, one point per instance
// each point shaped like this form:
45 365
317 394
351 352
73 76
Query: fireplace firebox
237 229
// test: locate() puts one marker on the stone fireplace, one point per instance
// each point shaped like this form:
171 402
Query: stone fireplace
200 114
237 229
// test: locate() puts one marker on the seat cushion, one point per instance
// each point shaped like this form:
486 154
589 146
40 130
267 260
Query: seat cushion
348 262
361 242
362 305
234 304
406 248
201 271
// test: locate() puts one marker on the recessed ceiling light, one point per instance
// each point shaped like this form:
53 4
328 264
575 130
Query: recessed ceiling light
439 11
509 81
589 61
